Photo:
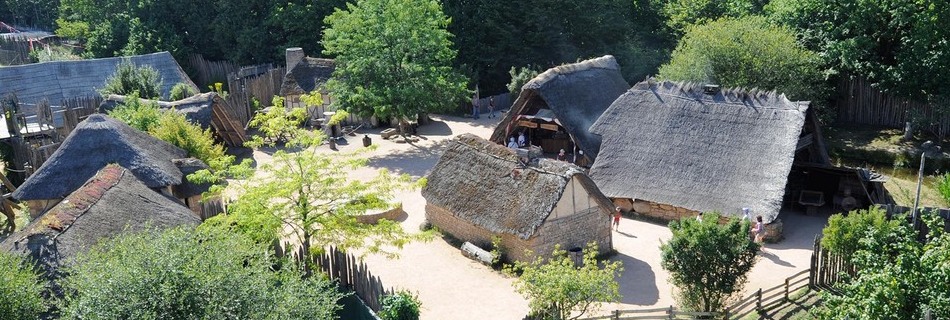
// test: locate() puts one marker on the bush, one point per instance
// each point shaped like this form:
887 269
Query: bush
128 78
142 116
174 128
183 274
520 77
843 233
400 306
943 186
181 91
20 289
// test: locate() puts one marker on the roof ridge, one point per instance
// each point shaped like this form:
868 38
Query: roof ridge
572 171
110 175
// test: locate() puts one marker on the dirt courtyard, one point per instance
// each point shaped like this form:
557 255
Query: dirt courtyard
451 286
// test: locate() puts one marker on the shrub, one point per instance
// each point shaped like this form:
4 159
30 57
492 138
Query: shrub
128 78
20 289
142 116
181 91
174 128
400 306
520 77
843 233
183 274
943 186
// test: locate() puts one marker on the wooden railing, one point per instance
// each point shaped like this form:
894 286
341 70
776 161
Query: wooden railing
760 301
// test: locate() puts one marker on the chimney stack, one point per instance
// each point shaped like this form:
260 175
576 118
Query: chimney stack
293 56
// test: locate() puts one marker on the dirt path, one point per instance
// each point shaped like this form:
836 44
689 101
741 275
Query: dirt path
454 287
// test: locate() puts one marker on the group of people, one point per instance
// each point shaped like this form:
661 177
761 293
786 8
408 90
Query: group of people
520 143
491 107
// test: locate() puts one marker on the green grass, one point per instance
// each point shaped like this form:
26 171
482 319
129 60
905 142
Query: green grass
798 307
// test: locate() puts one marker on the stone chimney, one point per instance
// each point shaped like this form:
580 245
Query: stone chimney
294 56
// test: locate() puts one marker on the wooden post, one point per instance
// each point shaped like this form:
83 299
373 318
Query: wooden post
786 289
671 314
758 299
616 314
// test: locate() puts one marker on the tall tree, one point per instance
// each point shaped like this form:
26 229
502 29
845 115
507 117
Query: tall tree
746 52
681 14
306 197
708 261
393 58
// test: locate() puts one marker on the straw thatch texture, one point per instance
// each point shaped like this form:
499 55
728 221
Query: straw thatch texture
57 81
96 142
673 144
111 202
196 108
474 181
309 74
577 94
188 189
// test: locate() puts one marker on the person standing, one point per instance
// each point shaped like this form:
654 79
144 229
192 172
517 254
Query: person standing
561 156
759 232
617 218
491 107
475 106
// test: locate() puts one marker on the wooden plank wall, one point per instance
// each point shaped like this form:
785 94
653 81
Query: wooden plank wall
860 103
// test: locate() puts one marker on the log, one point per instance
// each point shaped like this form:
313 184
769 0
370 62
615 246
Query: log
475 253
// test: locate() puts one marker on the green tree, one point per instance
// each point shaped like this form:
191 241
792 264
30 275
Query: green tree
183 274
557 289
843 233
708 261
393 59
897 275
681 14
20 289
307 197
129 78
520 77
402 305
279 124
892 43
747 52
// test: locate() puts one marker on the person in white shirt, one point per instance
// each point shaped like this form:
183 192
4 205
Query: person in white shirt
512 144
521 142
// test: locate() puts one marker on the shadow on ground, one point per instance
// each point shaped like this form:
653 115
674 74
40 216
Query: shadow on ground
637 282
417 161
800 230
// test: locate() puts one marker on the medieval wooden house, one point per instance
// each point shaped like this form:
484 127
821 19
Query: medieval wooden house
109 203
556 108
96 142
697 148
305 75
480 189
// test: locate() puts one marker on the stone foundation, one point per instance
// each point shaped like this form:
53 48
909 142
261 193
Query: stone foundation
655 210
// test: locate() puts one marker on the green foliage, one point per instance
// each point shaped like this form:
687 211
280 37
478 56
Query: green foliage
50 52
708 262
747 52
943 187
892 42
897 276
137 113
681 14
174 128
278 124
34 13
556 289
520 77
20 289
843 233
497 252
308 197
181 91
129 78
400 306
181 274
393 59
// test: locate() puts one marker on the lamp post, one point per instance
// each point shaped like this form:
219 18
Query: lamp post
925 148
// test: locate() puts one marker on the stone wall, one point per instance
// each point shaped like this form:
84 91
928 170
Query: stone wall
572 231
654 210
575 231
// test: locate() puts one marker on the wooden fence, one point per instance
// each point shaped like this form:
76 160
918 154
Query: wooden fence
351 273
860 103
828 268
211 207
36 130
206 73
761 300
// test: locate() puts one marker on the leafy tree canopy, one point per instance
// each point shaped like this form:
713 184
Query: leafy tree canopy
557 289
708 261
20 289
746 52
681 14
393 58
181 274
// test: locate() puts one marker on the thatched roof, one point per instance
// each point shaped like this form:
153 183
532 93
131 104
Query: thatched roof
60 80
196 108
576 93
97 141
671 143
309 74
111 202
473 179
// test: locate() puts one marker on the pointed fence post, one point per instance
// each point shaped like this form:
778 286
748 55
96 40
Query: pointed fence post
758 300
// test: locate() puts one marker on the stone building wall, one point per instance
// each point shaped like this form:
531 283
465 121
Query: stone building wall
654 210
512 245
575 231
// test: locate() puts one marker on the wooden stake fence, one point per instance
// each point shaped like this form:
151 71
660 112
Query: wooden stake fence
351 273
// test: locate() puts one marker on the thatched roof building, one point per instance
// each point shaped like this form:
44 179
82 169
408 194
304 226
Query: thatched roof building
96 142
113 201
697 148
196 108
57 81
305 74
557 107
479 189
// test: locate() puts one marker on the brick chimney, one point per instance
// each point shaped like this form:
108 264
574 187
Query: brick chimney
293 56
